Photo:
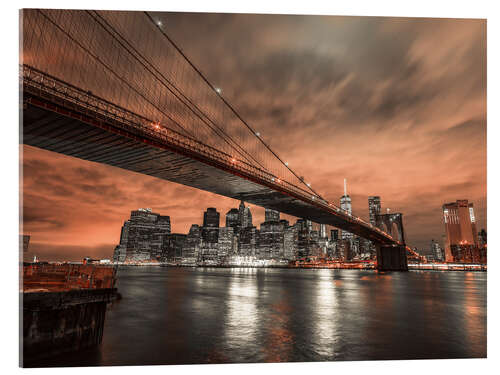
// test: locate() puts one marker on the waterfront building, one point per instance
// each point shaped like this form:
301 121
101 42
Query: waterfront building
192 245
141 236
436 251
461 234
290 241
173 245
271 240
225 243
307 239
365 249
209 251
323 246
249 241
332 249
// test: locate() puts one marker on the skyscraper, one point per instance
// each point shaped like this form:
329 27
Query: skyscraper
143 236
309 225
211 218
345 204
225 243
322 231
436 251
272 215
241 212
191 249
461 232
271 240
290 242
210 231
246 221
345 200
373 208
334 234
232 218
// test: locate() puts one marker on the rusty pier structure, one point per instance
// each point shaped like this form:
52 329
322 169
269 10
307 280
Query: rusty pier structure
63 308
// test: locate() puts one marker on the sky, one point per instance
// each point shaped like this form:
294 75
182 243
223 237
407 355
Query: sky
397 106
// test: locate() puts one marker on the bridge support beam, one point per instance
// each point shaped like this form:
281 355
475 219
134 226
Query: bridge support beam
391 258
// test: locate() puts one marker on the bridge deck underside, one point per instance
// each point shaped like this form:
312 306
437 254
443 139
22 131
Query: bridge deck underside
52 131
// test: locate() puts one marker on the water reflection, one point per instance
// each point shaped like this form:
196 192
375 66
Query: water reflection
180 316
324 333
279 342
241 323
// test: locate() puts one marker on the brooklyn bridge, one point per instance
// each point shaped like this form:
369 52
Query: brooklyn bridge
114 88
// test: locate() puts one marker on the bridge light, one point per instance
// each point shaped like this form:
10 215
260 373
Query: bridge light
159 23
233 160
278 180
308 184
272 178
218 90
257 134
286 163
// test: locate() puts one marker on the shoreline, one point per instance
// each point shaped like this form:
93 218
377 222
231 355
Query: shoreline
411 267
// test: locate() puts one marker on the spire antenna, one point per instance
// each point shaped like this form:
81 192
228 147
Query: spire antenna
345 187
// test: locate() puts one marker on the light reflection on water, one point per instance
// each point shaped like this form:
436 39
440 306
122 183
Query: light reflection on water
189 315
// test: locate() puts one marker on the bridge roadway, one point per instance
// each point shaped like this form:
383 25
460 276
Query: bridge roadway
59 117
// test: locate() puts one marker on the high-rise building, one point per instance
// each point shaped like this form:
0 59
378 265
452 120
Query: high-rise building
482 237
334 234
307 239
245 216
192 246
210 230
373 208
436 251
233 219
173 245
345 204
322 231
290 240
211 218
272 215
271 240
345 200
309 225
225 243
249 241
142 236
461 232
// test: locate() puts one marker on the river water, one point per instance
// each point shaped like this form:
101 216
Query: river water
220 315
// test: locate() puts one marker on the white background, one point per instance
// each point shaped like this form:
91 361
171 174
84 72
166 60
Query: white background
9 124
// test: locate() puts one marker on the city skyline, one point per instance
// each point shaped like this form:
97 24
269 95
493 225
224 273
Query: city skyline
393 128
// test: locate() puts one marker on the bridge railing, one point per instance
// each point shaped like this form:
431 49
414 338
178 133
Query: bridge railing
46 86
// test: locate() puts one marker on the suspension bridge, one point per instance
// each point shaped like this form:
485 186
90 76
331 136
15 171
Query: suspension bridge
112 87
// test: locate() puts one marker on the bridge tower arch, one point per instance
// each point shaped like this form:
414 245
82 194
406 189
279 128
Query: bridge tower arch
392 257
